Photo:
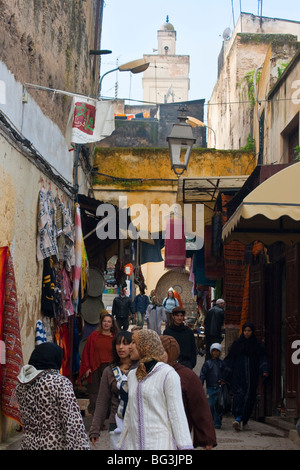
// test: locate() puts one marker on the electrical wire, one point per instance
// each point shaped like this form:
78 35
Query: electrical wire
28 150
141 180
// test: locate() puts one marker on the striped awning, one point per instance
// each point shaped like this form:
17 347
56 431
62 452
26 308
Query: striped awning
270 213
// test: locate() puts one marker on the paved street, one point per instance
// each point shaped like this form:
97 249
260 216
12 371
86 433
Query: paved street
260 436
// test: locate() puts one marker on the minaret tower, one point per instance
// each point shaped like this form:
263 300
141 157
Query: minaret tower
167 78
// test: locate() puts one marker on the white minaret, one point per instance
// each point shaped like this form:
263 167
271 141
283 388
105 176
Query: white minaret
167 78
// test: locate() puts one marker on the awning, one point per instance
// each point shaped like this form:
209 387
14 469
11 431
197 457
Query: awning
207 189
270 213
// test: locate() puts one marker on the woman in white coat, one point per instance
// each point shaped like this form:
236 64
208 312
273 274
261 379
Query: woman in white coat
155 418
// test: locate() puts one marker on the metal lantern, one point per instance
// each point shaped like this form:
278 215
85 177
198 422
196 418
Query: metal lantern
181 141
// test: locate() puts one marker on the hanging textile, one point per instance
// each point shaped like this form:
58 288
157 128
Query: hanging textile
3 263
90 120
60 209
119 273
192 278
256 249
199 270
175 253
84 269
48 288
214 266
67 304
40 333
234 274
62 337
152 253
12 338
139 278
47 232
69 239
43 333
78 256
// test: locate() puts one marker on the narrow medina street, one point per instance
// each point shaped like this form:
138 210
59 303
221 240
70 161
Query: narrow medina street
259 436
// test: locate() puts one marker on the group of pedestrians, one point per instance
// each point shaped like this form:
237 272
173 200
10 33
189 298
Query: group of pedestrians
143 382
144 309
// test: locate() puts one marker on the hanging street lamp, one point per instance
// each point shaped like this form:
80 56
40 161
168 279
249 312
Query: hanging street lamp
181 141
135 66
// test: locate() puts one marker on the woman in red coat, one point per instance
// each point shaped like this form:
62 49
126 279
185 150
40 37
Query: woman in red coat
194 399
96 355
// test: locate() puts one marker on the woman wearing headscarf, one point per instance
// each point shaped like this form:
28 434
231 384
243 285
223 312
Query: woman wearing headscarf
246 359
194 399
50 414
155 418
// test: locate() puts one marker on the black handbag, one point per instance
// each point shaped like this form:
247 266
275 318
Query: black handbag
223 403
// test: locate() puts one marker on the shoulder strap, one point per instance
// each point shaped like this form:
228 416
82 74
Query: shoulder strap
117 373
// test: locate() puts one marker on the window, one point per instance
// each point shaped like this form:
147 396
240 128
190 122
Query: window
290 137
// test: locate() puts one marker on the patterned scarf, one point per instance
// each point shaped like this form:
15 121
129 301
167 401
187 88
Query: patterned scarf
149 347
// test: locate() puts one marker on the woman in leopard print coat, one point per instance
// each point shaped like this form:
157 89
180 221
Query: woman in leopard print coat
50 414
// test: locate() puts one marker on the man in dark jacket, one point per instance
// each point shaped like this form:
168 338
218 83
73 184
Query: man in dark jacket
184 336
213 325
122 308
140 304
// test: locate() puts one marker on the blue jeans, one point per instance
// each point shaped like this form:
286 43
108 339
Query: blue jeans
140 318
212 393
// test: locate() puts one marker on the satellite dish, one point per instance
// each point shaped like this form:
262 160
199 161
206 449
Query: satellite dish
226 34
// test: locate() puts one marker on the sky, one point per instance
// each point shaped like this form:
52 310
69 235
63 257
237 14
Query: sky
130 28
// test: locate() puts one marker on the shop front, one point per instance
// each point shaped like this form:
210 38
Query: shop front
268 218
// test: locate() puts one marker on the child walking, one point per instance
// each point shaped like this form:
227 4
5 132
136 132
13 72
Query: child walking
211 373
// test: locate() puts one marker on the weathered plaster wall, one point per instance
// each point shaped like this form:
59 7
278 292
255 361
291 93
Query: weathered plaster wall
281 105
230 112
145 163
145 177
37 127
230 109
18 228
47 43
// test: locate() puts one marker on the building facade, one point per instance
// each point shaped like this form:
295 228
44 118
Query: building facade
230 108
264 219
